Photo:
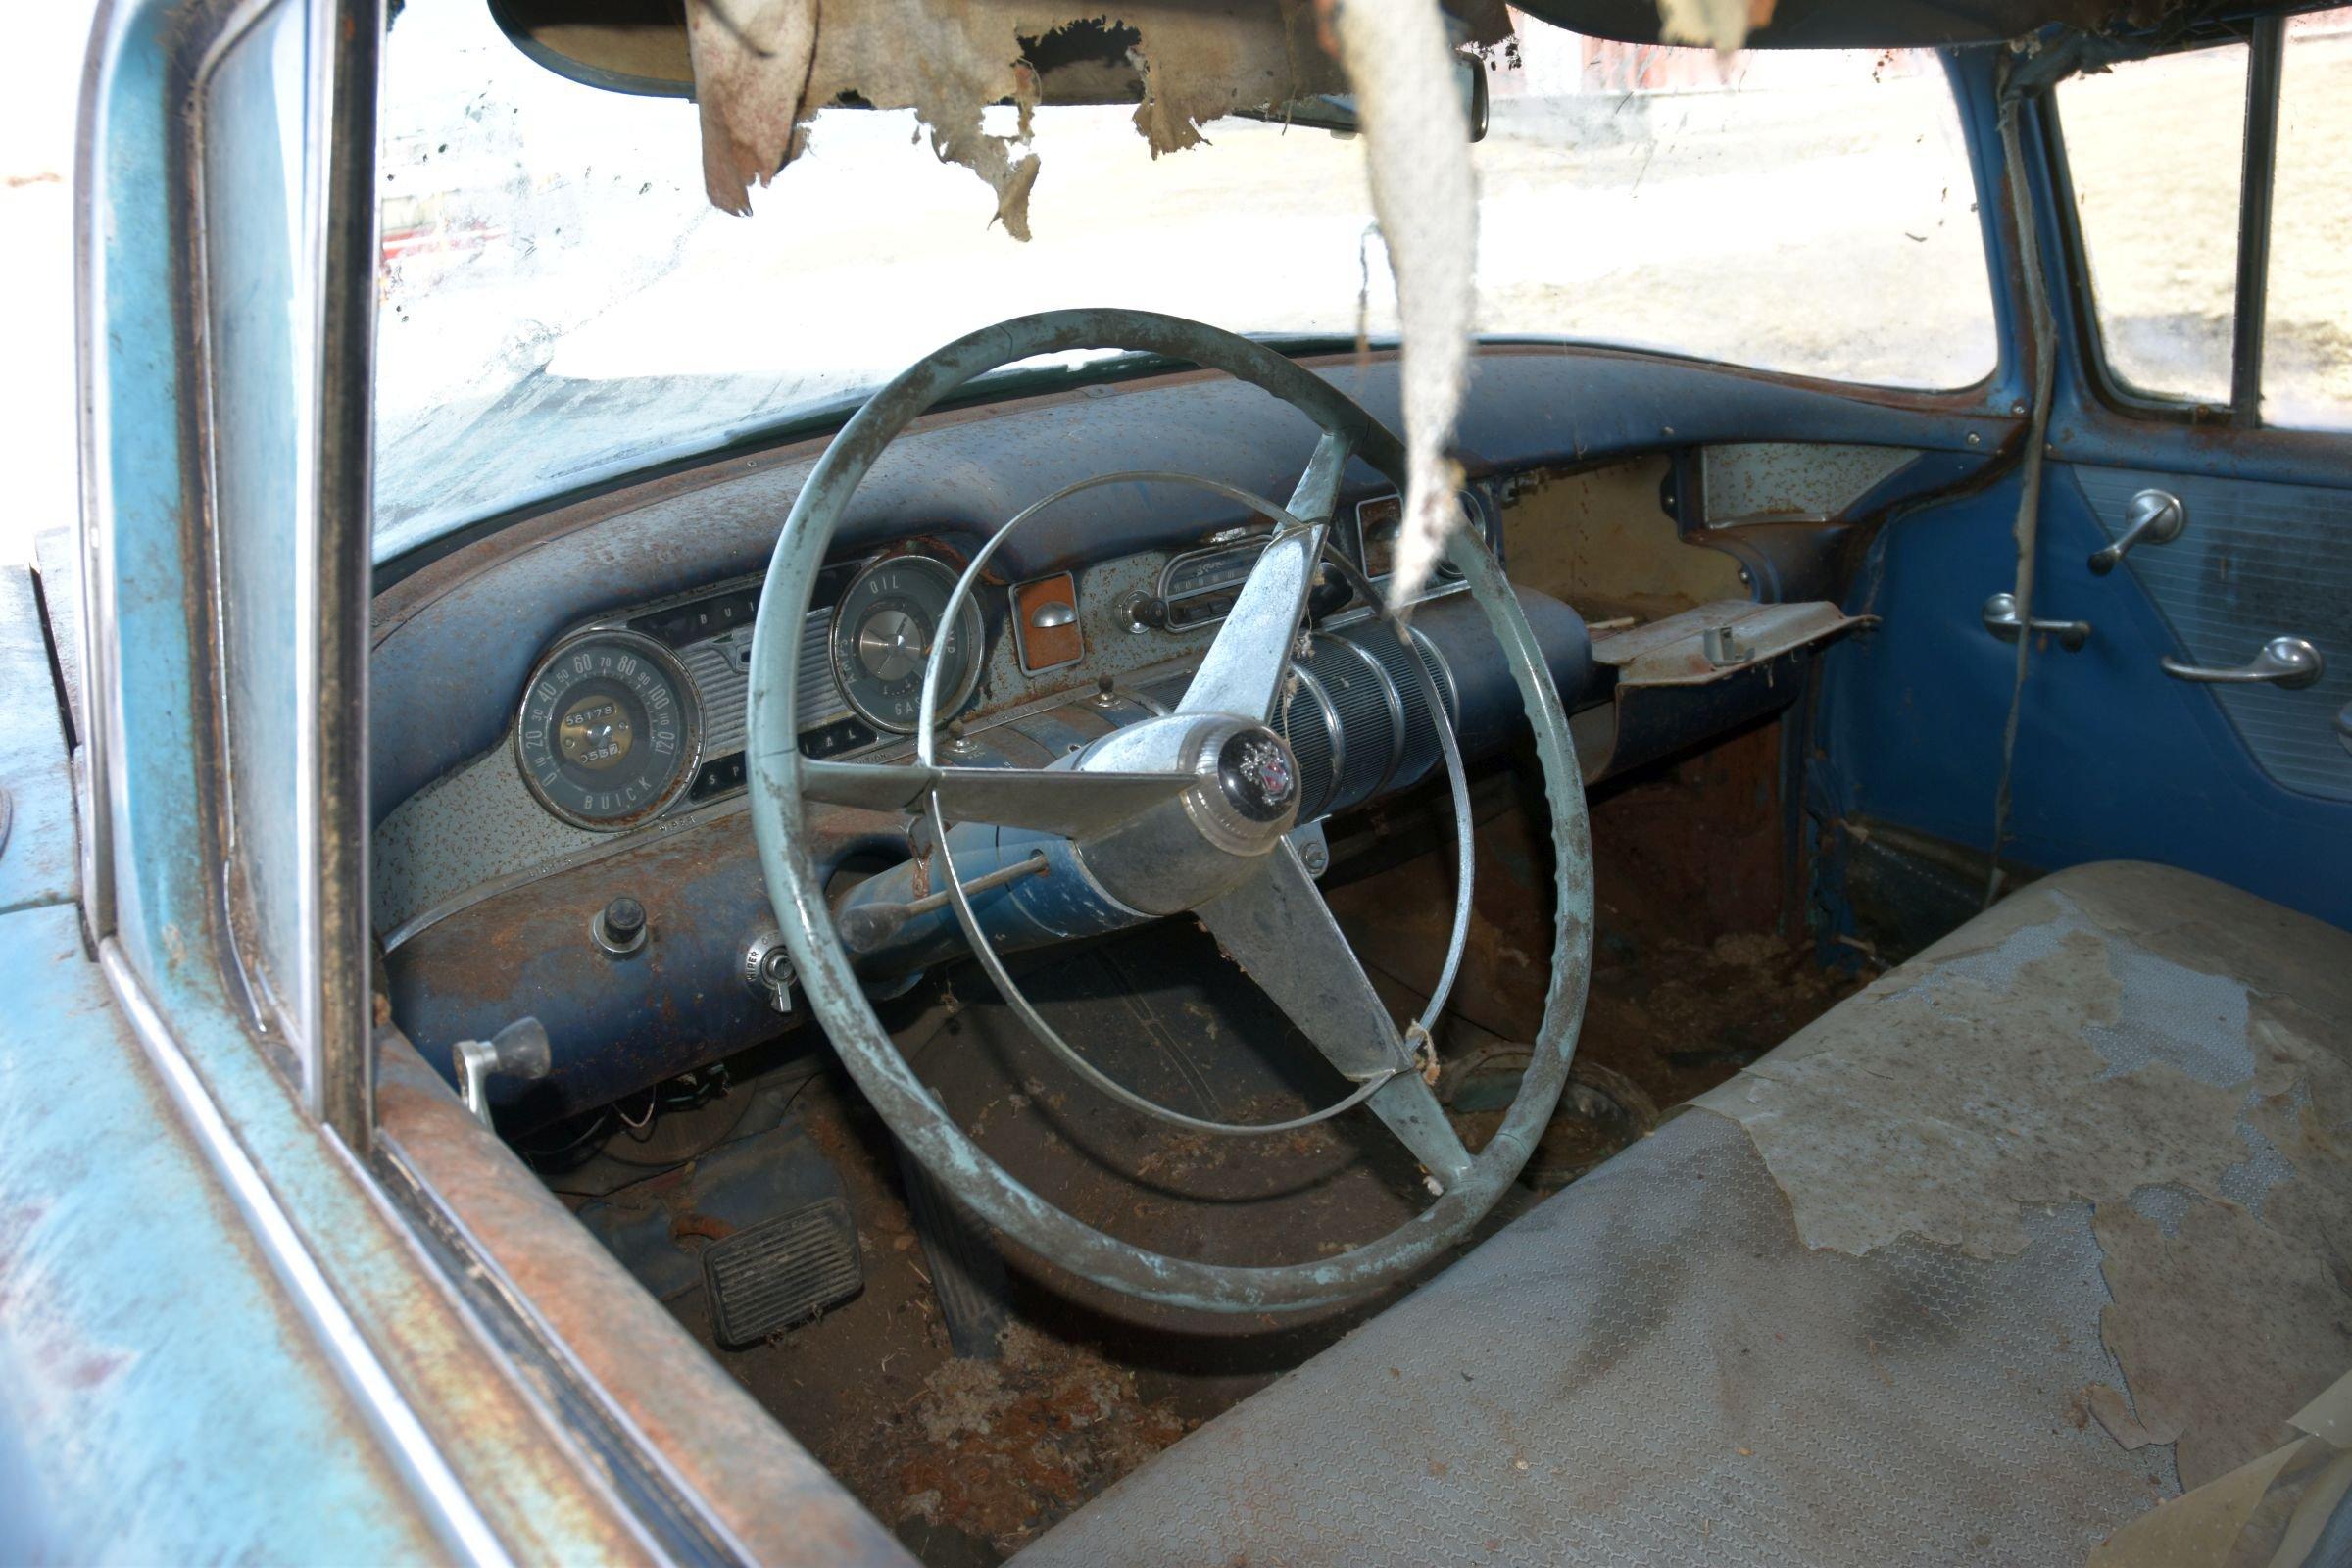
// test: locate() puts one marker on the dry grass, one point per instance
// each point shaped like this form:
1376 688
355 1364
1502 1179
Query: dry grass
2154 148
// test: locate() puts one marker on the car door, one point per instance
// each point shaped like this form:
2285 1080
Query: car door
2198 276
2186 700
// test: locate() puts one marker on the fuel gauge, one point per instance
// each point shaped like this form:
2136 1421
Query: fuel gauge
883 627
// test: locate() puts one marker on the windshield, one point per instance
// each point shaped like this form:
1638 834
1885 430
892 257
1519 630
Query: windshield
560 303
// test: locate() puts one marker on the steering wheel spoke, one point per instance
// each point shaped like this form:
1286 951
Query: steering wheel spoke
1277 927
1054 800
1246 665
1317 492
1410 1108
1243 670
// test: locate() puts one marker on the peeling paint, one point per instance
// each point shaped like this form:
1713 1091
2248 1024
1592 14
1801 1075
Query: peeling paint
2223 1331
2172 1051
1965 1085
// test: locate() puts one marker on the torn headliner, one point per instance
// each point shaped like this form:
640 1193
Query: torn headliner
639 46
1079 55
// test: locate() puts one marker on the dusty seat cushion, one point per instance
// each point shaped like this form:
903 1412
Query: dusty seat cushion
1994 1255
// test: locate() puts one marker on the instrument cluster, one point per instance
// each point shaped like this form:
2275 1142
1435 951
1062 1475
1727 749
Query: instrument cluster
629 718
640 715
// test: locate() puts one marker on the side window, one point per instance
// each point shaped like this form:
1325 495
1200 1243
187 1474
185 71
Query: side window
2153 148
260 395
287 525
2307 328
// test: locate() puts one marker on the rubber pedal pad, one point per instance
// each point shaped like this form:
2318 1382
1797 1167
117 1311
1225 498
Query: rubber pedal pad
782 1272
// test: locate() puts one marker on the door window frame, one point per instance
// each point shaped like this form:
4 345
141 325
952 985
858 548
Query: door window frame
2265 39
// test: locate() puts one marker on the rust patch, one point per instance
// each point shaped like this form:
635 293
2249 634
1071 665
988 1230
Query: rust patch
1001 1450
761 1485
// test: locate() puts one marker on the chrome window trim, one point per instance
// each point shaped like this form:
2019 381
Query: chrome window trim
330 1008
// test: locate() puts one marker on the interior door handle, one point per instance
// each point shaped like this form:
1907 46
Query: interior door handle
2343 726
2000 618
2287 662
2157 518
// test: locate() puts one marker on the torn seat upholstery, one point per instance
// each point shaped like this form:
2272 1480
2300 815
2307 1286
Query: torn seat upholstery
1996 1255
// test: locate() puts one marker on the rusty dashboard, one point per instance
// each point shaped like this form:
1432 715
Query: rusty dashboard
490 883
620 773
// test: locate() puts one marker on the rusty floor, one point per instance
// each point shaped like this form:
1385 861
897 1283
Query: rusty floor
967 1461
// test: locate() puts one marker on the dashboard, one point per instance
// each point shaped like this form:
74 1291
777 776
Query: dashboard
632 721
618 777
557 705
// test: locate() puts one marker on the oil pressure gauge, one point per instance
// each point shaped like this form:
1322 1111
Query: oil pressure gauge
608 730
883 627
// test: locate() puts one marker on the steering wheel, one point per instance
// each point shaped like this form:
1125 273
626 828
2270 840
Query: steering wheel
1185 811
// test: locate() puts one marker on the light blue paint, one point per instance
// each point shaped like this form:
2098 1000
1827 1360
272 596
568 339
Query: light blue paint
162 1404
246 1439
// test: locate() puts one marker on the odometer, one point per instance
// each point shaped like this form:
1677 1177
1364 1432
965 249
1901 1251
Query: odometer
608 730
883 627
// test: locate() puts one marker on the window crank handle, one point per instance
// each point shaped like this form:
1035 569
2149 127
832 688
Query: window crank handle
2157 518
1999 615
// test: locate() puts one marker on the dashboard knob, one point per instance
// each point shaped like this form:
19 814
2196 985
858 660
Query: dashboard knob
1145 613
620 927
767 970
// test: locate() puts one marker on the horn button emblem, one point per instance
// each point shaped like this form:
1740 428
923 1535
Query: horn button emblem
1258 779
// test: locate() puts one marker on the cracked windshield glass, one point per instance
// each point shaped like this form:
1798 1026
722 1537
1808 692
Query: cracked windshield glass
561 304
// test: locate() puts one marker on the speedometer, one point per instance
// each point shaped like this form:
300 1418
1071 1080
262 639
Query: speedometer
609 729
883 627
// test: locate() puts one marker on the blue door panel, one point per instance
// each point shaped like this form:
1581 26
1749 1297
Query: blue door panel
2255 562
2115 760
